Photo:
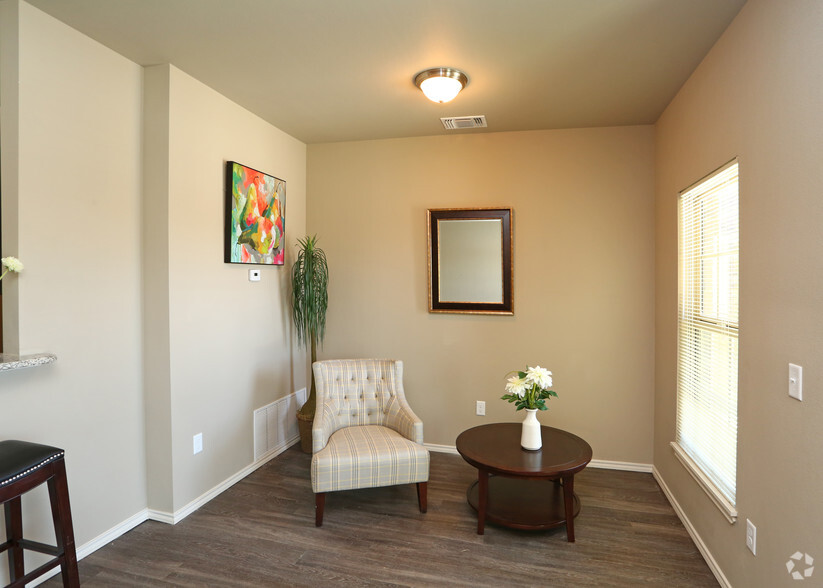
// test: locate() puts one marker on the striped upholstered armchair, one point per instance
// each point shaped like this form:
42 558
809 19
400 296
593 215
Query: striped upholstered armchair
364 434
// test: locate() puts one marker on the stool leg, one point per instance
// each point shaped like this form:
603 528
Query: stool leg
63 528
14 534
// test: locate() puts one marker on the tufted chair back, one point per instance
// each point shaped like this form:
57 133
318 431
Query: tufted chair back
357 392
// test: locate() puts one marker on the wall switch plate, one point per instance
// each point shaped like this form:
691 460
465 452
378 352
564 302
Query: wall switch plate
751 537
796 381
481 408
254 275
198 443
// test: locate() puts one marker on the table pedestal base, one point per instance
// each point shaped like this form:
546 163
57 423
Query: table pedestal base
524 504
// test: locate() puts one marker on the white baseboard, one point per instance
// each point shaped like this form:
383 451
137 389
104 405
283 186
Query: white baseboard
160 516
441 448
179 515
101 540
623 466
112 534
698 540
166 517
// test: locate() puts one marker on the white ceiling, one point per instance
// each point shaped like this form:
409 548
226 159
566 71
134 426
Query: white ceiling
341 70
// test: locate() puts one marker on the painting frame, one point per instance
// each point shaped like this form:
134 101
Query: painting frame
255 216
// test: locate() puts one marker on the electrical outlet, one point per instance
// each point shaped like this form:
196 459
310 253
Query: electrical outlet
481 408
751 537
198 443
796 381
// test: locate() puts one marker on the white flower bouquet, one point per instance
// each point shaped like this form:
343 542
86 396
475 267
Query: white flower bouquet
530 389
12 264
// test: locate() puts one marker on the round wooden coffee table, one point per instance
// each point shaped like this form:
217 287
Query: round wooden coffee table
523 489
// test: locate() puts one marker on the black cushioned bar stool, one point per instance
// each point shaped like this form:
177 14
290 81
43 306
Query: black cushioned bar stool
24 466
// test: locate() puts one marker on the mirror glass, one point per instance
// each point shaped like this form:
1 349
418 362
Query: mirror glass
470 253
471 260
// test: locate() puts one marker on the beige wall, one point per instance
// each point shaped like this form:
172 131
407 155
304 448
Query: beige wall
217 345
9 123
595 274
756 96
583 263
124 271
230 339
72 154
156 344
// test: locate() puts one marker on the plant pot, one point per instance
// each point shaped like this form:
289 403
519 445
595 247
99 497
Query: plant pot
531 438
304 424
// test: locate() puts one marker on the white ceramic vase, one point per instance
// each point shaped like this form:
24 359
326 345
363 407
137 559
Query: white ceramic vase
530 438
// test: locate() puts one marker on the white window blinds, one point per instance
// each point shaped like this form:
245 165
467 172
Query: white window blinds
708 328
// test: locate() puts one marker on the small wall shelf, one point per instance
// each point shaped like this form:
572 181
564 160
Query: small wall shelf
16 362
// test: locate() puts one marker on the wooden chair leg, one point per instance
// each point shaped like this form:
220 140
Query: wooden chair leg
63 528
320 504
14 534
422 490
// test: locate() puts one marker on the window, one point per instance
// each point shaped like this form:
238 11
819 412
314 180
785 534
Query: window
708 226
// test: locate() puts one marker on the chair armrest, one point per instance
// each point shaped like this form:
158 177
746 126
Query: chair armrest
322 427
402 419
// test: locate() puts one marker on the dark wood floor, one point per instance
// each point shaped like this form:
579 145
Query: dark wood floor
261 532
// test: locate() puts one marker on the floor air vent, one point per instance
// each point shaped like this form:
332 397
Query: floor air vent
463 122
275 425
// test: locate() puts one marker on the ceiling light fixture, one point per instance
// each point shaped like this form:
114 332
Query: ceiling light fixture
441 84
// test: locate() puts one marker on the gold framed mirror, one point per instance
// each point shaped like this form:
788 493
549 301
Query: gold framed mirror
470 260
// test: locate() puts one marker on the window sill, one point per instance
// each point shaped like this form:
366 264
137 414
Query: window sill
719 500
17 362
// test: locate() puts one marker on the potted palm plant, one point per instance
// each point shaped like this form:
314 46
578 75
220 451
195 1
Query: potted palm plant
309 281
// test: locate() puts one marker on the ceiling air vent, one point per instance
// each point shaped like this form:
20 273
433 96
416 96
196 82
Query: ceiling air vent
463 122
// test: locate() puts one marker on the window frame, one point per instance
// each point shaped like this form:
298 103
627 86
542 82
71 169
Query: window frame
691 313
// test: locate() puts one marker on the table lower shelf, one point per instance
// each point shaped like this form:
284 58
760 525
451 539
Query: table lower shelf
523 504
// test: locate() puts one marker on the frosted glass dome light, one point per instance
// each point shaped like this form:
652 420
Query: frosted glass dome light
441 84
441 89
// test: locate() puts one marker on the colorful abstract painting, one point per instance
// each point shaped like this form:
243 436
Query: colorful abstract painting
255 204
